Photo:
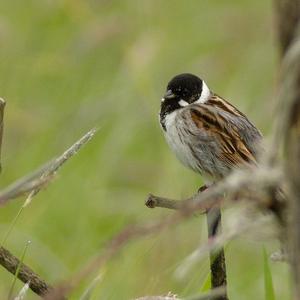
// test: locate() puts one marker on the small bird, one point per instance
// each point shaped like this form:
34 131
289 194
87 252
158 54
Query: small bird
206 133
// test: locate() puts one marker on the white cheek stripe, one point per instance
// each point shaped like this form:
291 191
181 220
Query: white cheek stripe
162 99
183 103
205 95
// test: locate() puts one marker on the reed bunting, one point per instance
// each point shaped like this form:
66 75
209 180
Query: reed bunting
207 133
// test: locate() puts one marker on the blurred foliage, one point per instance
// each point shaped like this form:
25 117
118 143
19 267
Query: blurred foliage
70 65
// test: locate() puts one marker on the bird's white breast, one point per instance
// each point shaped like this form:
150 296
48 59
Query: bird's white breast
177 140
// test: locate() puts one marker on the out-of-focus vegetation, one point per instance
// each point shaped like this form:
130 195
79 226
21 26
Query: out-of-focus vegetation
67 66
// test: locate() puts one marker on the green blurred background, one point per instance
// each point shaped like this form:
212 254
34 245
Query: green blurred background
67 66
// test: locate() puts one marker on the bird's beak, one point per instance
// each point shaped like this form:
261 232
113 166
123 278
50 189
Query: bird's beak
169 95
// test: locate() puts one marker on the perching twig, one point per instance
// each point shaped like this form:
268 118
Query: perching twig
155 201
25 274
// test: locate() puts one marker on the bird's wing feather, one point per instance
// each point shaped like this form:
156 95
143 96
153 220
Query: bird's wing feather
237 138
246 129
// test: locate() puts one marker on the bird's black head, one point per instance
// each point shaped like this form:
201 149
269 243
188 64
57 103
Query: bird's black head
187 87
182 90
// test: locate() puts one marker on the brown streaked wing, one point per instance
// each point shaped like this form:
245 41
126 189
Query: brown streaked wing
220 102
233 150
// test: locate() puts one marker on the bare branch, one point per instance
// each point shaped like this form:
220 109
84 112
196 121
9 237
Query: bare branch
25 274
155 201
245 183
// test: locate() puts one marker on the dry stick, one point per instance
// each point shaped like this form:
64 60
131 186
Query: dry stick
11 263
33 183
154 201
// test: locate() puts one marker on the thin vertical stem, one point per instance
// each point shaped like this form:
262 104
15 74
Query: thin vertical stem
217 259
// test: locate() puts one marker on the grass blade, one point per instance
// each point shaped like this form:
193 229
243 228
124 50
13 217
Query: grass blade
269 287
206 284
18 270
88 292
